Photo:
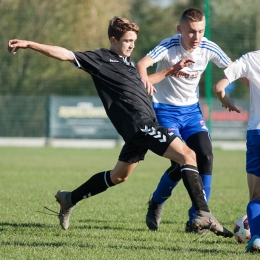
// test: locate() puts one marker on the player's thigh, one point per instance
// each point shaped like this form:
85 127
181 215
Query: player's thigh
253 165
253 154
164 143
253 186
200 143
179 152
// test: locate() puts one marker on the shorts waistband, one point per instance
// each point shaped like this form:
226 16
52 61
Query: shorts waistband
253 132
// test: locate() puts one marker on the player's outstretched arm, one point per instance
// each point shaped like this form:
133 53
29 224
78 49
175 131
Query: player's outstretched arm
219 90
56 52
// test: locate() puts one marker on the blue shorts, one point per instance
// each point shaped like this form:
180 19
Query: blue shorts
253 152
183 121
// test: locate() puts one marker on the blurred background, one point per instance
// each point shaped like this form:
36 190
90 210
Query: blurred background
44 98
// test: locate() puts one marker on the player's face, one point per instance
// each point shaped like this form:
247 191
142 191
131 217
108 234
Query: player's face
191 34
125 45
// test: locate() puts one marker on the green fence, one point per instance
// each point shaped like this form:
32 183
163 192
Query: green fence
23 116
85 118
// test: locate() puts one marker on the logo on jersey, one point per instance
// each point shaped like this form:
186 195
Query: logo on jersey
181 74
172 129
197 63
113 60
203 125
155 134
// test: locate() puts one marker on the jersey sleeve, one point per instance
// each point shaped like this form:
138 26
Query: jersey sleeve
89 61
159 52
217 55
238 69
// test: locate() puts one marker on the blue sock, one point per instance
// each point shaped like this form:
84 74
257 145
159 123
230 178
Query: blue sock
164 189
253 216
206 180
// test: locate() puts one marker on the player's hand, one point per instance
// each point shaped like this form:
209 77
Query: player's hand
184 63
231 106
14 45
180 65
149 87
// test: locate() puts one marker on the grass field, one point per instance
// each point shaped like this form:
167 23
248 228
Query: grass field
112 224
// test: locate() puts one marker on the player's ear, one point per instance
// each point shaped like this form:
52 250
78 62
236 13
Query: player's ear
112 40
179 28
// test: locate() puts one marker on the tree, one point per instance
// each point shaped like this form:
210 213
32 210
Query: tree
81 26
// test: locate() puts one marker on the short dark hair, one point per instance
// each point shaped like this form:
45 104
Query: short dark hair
192 15
118 26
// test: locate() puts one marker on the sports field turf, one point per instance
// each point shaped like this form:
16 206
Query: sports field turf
112 224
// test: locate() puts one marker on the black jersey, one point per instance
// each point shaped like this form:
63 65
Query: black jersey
120 89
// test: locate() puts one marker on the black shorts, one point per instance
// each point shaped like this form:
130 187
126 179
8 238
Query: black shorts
154 138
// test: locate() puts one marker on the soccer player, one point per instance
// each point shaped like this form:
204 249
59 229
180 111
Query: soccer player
248 67
128 106
175 101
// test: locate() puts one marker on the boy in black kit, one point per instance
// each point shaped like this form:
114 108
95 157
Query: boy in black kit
128 106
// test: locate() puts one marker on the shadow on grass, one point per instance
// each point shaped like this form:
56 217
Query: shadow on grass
43 226
105 227
170 222
112 227
89 245
23 225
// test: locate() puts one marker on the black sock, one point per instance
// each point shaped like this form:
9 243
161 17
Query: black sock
95 185
193 183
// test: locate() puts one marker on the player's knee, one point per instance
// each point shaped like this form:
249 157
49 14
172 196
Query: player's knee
253 186
205 162
206 157
190 157
118 177
122 179
254 194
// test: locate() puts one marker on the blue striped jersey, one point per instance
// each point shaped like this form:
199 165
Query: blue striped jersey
181 89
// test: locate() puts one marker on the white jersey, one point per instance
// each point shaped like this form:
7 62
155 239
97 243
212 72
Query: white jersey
248 66
182 88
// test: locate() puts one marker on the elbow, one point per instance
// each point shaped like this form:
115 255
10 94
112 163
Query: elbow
66 55
215 89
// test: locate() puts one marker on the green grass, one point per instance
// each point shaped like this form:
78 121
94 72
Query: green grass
112 224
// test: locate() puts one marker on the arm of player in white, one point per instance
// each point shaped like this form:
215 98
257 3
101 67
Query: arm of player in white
219 90
142 66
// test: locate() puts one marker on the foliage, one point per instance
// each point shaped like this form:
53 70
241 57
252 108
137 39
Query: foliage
83 26
151 23
77 27
233 29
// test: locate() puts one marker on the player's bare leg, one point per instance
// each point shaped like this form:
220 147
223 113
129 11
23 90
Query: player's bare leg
96 184
121 171
253 186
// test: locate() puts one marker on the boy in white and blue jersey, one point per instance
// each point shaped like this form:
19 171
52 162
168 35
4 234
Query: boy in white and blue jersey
175 101
248 66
